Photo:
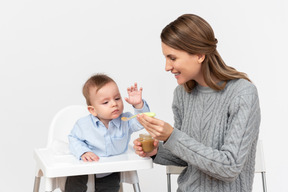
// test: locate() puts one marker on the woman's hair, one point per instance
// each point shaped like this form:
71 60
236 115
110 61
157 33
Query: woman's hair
98 81
192 34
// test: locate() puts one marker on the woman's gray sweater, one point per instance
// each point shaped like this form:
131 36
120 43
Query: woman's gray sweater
215 136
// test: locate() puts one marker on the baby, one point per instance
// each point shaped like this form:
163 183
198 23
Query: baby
102 133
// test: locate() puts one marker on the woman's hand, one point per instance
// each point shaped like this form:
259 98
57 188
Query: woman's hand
157 128
138 148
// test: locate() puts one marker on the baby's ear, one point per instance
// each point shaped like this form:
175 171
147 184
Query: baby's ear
92 110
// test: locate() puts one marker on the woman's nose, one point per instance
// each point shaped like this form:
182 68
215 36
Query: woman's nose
168 66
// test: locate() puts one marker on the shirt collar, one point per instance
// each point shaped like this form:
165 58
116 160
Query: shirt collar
116 121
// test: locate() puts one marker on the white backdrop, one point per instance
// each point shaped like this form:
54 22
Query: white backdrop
49 48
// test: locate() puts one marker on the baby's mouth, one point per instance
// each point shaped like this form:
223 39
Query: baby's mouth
115 111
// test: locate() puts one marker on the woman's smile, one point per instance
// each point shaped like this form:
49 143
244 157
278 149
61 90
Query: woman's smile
176 75
182 65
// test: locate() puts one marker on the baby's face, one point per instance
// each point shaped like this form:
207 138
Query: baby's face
107 102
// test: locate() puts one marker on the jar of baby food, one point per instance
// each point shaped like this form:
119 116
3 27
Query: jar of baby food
147 142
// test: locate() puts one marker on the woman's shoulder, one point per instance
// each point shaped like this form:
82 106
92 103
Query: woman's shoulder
241 86
237 86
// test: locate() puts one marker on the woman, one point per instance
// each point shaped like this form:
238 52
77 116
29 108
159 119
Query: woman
216 113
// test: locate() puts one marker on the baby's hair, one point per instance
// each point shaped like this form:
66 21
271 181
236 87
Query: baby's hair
98 80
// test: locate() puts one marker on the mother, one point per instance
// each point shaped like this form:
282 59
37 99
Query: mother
216 113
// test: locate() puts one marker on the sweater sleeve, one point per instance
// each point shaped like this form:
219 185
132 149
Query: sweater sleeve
227 162
164 155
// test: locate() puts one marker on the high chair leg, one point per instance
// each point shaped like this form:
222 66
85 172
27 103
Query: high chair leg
36 184
136 187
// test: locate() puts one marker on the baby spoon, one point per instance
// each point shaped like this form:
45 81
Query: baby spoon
150 114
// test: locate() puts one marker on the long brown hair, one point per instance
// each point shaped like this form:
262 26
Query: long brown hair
194 35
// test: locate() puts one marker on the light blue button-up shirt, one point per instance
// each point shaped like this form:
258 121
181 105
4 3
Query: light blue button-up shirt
90 134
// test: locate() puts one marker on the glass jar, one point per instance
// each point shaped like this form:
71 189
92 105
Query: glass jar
147 142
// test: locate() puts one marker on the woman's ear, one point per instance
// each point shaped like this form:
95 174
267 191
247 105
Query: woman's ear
201 58
92 110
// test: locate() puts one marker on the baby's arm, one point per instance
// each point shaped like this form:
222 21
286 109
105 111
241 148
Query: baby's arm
89 156
135 96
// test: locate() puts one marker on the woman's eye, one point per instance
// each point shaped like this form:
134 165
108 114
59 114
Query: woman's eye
171 58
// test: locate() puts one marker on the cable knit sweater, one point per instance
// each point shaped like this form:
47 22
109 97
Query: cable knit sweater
215 136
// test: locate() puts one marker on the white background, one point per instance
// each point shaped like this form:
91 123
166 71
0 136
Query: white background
49 48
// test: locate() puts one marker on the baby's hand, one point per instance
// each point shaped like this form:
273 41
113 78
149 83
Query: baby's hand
135 96
89 156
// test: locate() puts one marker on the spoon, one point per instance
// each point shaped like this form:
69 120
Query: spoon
150 114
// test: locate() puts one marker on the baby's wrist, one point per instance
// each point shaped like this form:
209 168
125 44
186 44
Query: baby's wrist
139 106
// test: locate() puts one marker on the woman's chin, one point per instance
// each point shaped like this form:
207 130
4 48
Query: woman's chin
180 82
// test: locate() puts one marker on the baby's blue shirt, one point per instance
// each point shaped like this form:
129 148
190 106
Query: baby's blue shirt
90 134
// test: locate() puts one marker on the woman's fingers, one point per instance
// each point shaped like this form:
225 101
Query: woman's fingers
137 147
151 124
156 143
147 125
147 121
139 151
157 128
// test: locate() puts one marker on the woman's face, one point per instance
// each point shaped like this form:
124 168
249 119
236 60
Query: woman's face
183 66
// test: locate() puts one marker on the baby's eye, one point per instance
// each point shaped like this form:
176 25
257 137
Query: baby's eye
105 103
118 98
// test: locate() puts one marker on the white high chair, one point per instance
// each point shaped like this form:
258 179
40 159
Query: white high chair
260 164
54 163
259 168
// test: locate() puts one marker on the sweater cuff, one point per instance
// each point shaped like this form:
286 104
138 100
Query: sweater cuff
171 141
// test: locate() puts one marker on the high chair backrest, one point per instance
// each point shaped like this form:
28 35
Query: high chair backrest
63 123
